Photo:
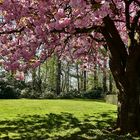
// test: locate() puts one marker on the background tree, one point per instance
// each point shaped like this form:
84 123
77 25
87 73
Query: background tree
105 76
78 77
58 76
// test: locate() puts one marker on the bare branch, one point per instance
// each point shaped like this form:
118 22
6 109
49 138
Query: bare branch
127 15
88 30
79 30
12 31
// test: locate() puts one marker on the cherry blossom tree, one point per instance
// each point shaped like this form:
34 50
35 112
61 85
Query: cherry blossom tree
30 31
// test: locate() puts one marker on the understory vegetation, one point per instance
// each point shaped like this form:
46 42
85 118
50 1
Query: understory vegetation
10 88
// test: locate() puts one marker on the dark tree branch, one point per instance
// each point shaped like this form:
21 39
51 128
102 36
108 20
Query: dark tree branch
115 38
127 15
115 62
12 31
135 21
88 30
79 30
116 10
132 31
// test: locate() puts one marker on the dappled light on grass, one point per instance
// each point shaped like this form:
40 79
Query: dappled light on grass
57 120
63 126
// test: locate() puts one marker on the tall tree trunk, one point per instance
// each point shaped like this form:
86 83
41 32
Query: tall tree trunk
125 70
62 82
46 72
110 83
68 77
81 80
78 79
39 80
58 77
33 79
128 100
105 77
84 80
95 77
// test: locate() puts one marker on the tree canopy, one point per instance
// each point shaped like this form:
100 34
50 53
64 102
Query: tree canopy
30 31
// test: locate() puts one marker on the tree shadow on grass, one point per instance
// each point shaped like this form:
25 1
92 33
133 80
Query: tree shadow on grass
64 126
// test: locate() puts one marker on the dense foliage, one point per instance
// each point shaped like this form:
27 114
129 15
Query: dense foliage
32 30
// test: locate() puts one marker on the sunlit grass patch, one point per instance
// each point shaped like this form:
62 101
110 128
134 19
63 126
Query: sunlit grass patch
57 120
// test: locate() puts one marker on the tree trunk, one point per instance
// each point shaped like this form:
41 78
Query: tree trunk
125 69
77 76
33 79
110 83
105 77
95 77
39 80
84 80
58 77
128 103
81 80
68 77
46 72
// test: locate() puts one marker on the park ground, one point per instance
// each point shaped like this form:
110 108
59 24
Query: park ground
25 119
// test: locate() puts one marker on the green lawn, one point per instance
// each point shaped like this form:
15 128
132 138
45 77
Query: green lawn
79 108
57 120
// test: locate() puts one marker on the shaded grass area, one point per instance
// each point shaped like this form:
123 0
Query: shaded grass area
83 121
64 126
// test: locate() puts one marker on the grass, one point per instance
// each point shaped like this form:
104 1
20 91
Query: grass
12 108
57 120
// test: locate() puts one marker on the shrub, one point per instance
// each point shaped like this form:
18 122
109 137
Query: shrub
29 93
93 94
66 95
10 88
34 94
9 92
48 95
25 93
70 95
